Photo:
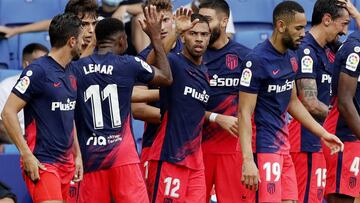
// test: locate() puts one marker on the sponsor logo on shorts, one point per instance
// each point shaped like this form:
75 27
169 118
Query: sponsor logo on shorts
352 182
168 200
72 191
271 188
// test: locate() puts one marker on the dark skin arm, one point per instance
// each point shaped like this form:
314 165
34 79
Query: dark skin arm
308 95
145 112
346 92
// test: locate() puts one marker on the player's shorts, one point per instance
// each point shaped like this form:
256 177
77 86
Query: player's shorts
170 183
310 170
122 184
6 193
343 170
277 178
224 171
54 183
73 196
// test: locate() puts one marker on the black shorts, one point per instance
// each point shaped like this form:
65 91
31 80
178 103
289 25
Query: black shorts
5 192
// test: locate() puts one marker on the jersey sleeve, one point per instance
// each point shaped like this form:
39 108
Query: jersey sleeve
350 65
30 83
308 60
145 53
251 74
144 73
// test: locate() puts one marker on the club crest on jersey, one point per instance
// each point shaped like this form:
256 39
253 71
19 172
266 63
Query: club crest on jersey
23 84
231 61
330 55
73 82
352 182
352 61
246 77
307 64
271 188
294 64
320 194
203 97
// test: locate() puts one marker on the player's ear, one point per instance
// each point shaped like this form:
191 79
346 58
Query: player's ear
281 26
224 22
72 42
182 36
326 19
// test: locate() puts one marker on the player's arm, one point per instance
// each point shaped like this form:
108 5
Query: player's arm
307 88
145 112
33 27
4 138
79 170
133 9
346 91
354 13
182 23
152 26
250 175
228 123
11 122
141 94
299 112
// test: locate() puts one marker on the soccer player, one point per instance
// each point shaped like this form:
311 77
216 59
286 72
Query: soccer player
221 151
329 21
267 92
47 92
103 117
342 181
175 170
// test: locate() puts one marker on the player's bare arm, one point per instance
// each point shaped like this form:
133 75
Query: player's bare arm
79 169
346 91
33 27
11 122
140 94
250 173
308 95
151 25
182 23
228 123
145 112
299 112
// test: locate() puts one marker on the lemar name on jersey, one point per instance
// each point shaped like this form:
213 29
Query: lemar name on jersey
98 68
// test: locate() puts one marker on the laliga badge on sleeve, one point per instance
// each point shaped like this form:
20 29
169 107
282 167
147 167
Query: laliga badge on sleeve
23 84
246 77
352 61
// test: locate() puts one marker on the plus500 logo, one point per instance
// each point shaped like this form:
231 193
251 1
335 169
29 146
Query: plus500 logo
70 105
281 88
224 82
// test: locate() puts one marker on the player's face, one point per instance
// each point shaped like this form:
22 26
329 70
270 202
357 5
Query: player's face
197 39
166 24
214 22
88 24
339 26
295 31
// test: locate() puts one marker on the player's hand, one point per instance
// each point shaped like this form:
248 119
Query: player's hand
151 25
120 12
9 31
250 175
79 169
31 166
333 142
183 20
228 123
348 5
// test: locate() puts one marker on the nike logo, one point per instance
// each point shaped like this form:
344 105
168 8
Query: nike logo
275 72
57 84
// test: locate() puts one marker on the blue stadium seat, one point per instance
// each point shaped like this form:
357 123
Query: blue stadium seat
27 11
138 129
4 54
251 37
33 37
178 3
308 6
63 4
252 11
8 73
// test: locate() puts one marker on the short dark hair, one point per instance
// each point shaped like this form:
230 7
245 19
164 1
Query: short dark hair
218 5
286 10
62 28
31 48
321 7
82 7
161 5
107 28
202 19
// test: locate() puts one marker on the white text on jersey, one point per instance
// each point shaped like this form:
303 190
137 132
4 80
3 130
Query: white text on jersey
281 88
197 95
221 82
69 106
101 140
325 77
98 68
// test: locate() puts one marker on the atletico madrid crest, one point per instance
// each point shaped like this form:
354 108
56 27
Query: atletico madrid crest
294 64
232 61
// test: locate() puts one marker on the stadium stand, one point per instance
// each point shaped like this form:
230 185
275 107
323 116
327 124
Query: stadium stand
33 37
252 11
4 54
251 37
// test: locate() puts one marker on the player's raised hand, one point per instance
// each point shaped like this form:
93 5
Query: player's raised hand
151 25
79 169
250 175
31 166
183 20
350 7
333 142
228 123
8 31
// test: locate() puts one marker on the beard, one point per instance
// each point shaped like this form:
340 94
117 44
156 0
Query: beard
215 34
289 42
75 53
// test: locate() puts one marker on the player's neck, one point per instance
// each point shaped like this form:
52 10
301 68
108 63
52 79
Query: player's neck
105 48
277 43
319 35
195 60
61 56
220 42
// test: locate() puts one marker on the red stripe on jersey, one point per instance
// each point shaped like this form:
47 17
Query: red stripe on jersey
295 136
332 119
156 147
30 134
